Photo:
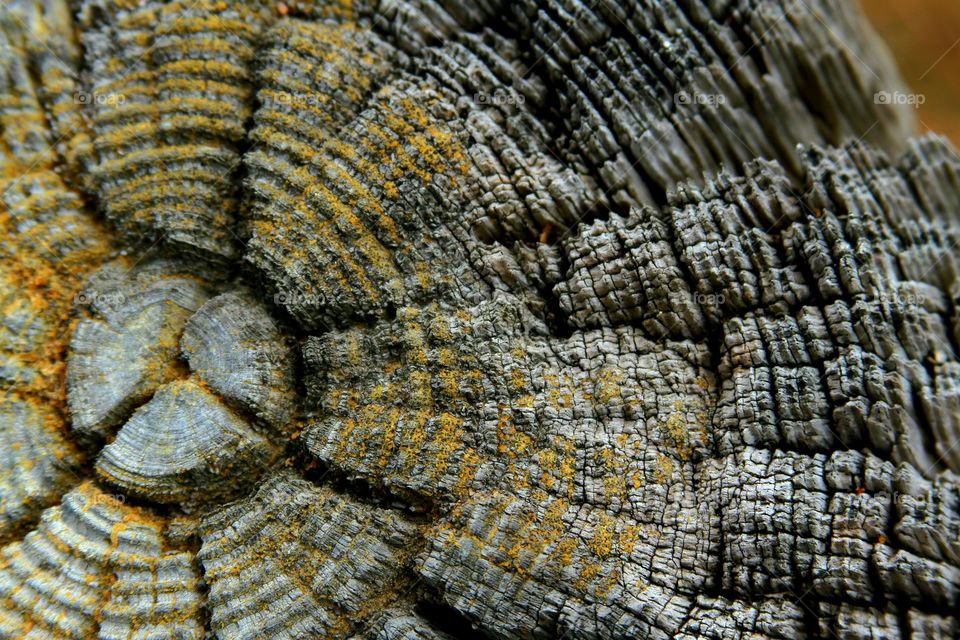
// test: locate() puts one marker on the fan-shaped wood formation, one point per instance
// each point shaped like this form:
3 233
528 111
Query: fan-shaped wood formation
422 319
95 567
129 345
181 446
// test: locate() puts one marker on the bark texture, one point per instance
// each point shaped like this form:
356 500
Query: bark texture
421 319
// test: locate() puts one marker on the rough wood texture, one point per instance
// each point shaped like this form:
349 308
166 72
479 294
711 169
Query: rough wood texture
95 567
421 319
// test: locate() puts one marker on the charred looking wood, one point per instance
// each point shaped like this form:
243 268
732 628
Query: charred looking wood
554 319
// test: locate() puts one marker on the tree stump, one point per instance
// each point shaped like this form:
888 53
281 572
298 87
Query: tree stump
429 319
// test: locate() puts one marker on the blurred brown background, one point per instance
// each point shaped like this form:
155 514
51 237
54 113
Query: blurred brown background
924 36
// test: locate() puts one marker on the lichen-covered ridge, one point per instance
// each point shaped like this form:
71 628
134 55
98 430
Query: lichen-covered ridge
407 319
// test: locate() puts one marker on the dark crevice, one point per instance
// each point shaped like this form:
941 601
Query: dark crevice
414 506
927 431
714 339
809 608
128 500
903 621
738 22
77 475
557 321
446 619
718 572
92 443
205 614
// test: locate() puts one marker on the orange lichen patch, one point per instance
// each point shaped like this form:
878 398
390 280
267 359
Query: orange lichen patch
588 574
560 390
614 486
409 428
48 247
666 467
389 436
566 472
676 428
518 380
601 541
342 9
450 381
608 384
447 441
21 123
534 535
511 442
468 470
628 539
534 539
547 459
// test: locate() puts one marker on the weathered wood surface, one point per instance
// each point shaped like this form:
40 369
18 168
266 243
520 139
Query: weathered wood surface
406 319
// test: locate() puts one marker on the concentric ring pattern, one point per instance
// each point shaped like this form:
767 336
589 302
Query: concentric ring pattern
408 319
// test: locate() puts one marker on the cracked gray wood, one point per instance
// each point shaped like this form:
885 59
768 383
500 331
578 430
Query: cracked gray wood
407 319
